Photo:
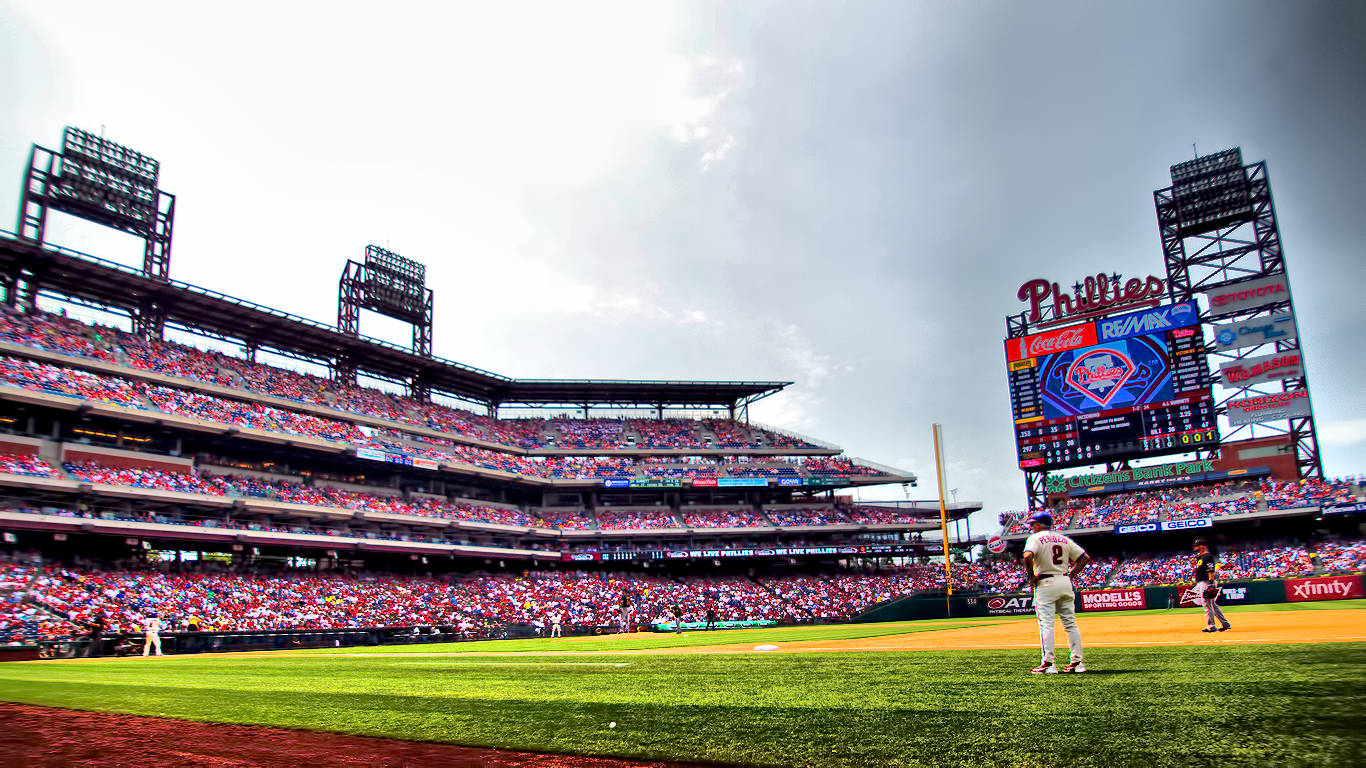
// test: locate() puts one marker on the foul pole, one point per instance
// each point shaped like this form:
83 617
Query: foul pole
943 513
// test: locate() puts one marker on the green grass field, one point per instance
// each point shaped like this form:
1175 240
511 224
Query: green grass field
1283 705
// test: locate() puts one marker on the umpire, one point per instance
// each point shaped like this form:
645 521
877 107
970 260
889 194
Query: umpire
1206 567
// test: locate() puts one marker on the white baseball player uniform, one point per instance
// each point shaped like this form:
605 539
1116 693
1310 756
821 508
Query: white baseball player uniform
151 627
1054 555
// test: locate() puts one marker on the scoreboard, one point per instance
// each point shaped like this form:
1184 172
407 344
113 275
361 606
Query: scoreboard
1117 388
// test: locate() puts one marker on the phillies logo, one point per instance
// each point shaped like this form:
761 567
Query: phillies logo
1101 294
1099 374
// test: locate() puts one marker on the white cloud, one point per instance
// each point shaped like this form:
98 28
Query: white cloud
1341 434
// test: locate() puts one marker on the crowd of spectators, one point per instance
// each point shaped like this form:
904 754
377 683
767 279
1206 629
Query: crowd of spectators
1193 502
31 466
52 379
45 601
802 515
717 517
57 333
636 519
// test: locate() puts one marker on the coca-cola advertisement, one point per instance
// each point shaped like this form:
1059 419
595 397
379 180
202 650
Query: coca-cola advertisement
1051 342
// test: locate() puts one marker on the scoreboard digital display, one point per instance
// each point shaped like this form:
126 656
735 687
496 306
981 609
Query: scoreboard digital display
1118 388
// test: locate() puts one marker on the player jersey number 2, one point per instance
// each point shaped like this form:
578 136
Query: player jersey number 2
1057 554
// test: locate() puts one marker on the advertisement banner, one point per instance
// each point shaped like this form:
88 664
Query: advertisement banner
1247 294
1159 319
1173 525
1323 588
1345 509
1010 605
1264 408
1240 374
789 481
748 624
1112 599
655 482
1049 342
370 453
1229 594
704 482
1061 483
422 463
1258 330
742 482
616 482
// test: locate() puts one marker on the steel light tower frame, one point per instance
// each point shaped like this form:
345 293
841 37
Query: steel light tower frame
109 184
1218 226
392 286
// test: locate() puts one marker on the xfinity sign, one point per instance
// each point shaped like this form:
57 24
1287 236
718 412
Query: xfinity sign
1149 321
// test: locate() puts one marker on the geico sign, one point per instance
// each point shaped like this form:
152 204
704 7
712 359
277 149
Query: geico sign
1182 525
1137 528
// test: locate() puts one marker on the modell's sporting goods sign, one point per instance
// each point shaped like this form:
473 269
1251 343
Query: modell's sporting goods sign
1247 294
1241 374
1258 330
1263 408
1323 588
1112 599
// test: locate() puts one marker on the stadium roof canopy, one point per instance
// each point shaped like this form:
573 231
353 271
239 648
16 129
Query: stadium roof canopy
104 284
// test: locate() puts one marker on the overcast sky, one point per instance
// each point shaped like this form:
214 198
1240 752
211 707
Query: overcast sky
846 195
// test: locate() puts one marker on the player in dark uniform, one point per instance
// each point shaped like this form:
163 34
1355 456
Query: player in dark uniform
1206 590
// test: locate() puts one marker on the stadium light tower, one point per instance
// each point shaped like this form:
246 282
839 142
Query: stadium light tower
109 184
1220 241
392 286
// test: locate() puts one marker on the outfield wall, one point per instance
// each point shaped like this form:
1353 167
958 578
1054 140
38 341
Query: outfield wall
1253 592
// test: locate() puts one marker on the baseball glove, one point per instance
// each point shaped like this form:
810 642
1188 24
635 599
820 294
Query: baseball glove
1211 592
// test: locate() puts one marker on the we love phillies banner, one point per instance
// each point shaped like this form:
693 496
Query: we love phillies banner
1323 588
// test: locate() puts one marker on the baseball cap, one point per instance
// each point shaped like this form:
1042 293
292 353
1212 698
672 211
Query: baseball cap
1200 543
1042 517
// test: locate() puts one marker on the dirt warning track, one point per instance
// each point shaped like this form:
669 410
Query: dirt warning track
1117 630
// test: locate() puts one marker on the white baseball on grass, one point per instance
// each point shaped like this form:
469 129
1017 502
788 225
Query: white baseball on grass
612 724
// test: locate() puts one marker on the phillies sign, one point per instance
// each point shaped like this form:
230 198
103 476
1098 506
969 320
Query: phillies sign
1241 374
1097 295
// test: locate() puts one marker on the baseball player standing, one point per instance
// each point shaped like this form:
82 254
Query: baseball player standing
151 628
1052 560
1206 590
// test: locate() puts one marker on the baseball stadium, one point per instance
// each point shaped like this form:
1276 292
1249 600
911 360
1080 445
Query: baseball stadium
236 536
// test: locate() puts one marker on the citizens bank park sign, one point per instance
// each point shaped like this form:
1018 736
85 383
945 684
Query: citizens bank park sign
1061 483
